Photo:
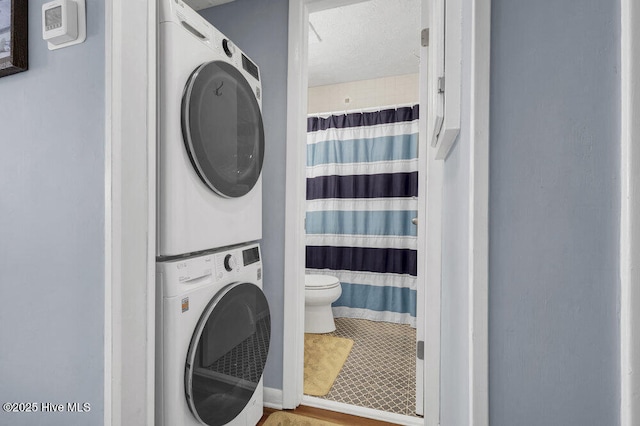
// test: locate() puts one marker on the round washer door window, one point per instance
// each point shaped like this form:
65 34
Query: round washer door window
227 354
222 129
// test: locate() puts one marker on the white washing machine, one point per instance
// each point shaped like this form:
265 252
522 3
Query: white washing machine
211 137
213 330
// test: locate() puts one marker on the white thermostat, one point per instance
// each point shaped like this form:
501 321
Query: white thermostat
64 23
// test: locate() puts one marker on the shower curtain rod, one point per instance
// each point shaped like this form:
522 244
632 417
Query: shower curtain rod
369 109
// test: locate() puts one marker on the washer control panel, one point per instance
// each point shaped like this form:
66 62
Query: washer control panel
231 262
223 265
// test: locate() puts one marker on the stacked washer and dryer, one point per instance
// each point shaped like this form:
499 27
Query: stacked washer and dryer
213 322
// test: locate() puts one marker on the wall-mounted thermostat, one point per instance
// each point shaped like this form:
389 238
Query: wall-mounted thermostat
64 23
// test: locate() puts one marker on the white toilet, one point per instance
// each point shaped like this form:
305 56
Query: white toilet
320 291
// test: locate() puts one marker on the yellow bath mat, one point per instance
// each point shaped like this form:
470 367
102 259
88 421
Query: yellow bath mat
281 418
324 357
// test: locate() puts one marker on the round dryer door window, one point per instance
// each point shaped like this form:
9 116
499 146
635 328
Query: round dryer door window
222 129
227 354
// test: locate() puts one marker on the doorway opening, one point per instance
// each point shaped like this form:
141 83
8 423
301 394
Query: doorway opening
362 201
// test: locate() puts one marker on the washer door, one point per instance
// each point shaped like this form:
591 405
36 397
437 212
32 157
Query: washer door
227 353
222 129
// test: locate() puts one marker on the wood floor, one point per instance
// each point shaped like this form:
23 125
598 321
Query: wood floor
329 416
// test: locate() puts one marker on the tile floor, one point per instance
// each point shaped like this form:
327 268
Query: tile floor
380 371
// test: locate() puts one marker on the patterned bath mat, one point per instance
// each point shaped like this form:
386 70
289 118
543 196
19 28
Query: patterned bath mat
324 357
281 418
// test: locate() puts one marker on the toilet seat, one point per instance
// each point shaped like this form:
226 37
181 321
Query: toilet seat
320 282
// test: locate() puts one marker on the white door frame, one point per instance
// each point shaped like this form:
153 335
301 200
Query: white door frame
130 134
478 223
629 215
479 214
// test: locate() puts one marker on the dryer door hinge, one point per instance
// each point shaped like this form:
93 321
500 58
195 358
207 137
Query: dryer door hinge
440 84
420 350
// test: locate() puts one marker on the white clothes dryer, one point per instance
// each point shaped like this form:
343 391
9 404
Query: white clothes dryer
212 340
211 137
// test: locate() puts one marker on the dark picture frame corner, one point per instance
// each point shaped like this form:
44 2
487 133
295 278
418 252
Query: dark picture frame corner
14 37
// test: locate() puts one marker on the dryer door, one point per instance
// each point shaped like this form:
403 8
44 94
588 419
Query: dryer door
222 129
227 353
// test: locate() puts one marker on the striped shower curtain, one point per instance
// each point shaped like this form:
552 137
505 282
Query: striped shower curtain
362 184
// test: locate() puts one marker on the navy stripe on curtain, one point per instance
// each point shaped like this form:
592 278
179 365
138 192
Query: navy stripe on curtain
363 119
363 186
371 259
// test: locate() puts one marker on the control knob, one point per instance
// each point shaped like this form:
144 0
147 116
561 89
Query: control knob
228 47
230 262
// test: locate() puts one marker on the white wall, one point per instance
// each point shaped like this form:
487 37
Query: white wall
395 90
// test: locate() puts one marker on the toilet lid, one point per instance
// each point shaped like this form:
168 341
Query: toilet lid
318 282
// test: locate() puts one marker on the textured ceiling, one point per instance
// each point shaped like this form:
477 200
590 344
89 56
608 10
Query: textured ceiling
365 40
371 39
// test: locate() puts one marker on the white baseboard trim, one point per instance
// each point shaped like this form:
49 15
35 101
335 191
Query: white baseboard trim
354 410
272 398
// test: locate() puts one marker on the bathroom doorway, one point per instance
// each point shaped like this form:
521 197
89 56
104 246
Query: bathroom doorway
429 304
363 67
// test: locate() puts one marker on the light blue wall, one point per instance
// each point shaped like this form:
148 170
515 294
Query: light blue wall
554 213
259 28
52 227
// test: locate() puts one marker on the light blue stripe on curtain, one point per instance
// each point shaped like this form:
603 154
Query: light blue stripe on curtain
385 148
380 222
376 298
